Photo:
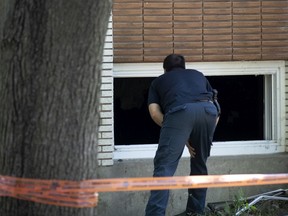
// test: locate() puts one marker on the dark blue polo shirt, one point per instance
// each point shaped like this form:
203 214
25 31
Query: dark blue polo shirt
177 87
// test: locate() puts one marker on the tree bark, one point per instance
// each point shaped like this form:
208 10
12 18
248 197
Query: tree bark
50 68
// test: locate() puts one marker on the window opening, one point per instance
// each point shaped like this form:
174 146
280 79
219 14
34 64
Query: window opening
242 99
242 103
132 123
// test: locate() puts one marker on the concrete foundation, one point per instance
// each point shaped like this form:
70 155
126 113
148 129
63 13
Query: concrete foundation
133 203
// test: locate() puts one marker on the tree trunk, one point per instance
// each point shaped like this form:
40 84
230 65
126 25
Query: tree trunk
50 67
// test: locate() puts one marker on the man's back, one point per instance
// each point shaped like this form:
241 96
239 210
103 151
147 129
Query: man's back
180 86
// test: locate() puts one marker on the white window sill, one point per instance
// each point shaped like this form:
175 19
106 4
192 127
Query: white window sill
218 149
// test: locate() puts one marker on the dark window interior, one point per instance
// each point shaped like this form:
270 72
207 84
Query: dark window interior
241 99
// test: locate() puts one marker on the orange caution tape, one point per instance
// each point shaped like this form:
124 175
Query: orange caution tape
52 192
83 194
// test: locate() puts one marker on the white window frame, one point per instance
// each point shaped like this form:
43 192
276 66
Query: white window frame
274 142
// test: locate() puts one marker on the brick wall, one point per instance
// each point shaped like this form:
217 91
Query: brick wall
201 30
106 130
286 104
105 136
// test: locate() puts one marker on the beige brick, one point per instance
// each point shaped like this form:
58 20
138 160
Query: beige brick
106 100
105 128
105 155
107 93
106 121
106 86
107 148
106 107
107 135
107 79
105 142
105 114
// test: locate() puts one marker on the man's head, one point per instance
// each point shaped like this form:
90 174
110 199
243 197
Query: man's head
173 61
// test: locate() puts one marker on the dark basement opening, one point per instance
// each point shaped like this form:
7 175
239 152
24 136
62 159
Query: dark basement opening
241 98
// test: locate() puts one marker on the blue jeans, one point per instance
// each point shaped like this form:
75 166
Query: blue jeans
195 122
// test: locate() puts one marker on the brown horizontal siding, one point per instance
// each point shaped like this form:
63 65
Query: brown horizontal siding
202 30
274 30
247 30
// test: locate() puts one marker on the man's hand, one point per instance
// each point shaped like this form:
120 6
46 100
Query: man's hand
156 113
191 149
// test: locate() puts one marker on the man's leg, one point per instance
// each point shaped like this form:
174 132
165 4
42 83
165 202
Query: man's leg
174 135
201 140
197 197
165 164
157 203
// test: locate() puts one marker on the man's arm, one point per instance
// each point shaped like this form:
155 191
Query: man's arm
156 113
